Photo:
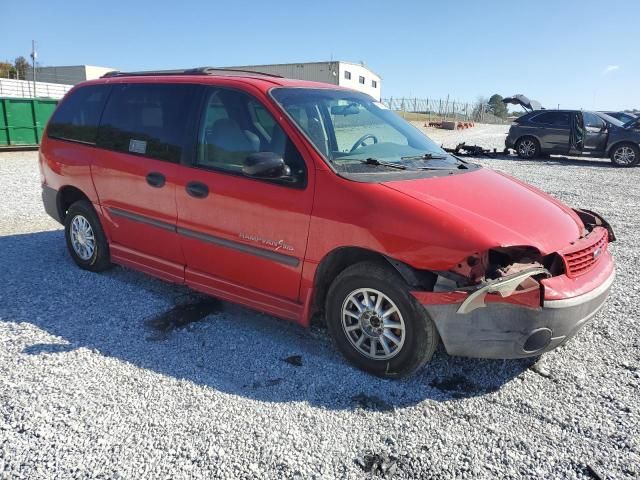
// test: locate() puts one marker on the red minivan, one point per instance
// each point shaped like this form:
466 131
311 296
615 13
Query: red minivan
298 198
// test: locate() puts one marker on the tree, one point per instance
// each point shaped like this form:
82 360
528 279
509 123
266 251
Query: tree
21 65
6 70
479 108
496 106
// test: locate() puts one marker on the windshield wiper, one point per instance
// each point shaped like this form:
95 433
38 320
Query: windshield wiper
439 168
378 163
424 156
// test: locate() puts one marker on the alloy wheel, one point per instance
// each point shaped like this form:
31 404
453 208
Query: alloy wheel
82 237
624 155
373 324
527 148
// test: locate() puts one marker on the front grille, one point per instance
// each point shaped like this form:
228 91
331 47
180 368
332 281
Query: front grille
585 253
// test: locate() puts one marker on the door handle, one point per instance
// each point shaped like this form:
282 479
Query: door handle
197 189
156 180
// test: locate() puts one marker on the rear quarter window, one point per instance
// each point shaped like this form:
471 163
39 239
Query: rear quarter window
559 119
78 115
147 119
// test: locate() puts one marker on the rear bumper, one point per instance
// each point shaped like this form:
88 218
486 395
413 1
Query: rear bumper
507 330
50 201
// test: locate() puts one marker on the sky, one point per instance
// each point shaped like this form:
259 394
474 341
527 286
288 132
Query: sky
575 54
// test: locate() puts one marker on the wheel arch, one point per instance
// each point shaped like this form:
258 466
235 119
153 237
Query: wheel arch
67 196
618 143
340 258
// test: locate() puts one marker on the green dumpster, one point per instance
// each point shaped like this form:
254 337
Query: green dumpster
23 119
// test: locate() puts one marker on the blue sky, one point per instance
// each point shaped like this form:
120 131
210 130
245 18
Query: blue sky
579 54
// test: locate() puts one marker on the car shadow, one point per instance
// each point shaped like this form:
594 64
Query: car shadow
223 347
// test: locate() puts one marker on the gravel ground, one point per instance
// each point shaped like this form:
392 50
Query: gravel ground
487 136
88 389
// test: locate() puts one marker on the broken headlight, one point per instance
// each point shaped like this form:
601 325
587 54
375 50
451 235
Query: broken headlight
500 262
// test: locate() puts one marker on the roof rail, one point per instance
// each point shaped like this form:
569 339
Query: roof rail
188 71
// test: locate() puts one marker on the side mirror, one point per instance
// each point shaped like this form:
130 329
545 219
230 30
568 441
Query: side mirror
604 128
265 165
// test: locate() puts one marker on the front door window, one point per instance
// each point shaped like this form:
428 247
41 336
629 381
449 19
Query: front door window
235 125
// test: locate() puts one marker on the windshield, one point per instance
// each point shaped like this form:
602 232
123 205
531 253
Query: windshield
611 119
623 117
353 131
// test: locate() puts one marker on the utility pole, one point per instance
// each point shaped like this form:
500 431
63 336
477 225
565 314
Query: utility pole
34 55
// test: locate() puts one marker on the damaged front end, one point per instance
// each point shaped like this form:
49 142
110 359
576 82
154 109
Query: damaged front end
506 274
523 279
512 302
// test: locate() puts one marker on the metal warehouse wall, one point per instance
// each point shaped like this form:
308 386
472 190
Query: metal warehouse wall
68 75
326 72
356 72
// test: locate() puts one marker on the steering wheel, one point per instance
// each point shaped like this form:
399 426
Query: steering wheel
361 141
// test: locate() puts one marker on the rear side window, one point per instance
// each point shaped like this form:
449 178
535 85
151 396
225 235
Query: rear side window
77 117
147 119
560 119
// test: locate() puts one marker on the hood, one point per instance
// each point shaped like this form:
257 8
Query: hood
498 209
633 124
631 130
524 102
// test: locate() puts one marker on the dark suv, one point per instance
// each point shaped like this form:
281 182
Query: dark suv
574 132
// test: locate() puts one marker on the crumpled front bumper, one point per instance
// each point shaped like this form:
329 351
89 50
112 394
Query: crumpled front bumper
504 329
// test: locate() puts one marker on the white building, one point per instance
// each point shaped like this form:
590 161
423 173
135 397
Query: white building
69 75
351 75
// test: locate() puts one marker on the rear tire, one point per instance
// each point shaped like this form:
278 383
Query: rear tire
403 335
625 155
527 148
85 238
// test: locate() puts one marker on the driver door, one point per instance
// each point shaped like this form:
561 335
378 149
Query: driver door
243 237
595 134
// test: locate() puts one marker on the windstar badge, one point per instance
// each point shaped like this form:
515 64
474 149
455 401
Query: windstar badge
275 244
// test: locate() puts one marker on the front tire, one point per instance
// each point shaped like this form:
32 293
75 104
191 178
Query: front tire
85 238
527 148
376 323
625 155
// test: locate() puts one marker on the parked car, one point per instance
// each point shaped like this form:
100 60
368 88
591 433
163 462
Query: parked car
298 198
574 132
622 116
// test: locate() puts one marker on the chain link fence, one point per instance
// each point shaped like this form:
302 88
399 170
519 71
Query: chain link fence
430 110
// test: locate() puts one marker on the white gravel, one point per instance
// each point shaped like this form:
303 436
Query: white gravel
87 390
487 136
